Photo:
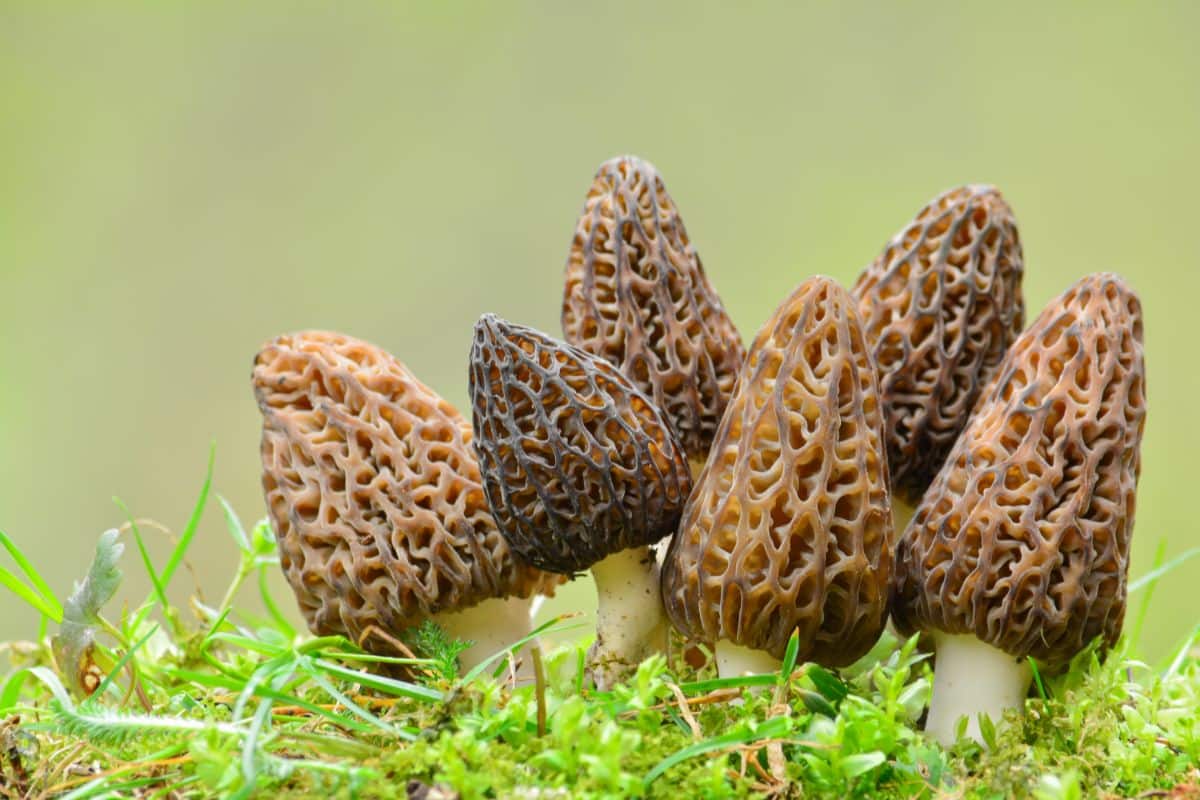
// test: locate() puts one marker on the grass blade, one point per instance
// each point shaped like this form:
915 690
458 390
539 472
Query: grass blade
789 657
189 531
1037 678
120 665
389 685
548 625
1149 581
10 692
18 587
35 577
159 594
261 717
734 682
770 729
264 591
351 706
1161 570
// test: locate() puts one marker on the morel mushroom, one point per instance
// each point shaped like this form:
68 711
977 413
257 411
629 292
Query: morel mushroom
637 295
940 306
581 471
376 500
789 527
1021 545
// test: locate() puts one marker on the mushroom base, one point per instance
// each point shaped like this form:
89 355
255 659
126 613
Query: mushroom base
630 622
734 660
971 677
492 625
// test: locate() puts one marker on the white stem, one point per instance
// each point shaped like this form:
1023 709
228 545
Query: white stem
660 552
630 622
734 660
971 677
492 625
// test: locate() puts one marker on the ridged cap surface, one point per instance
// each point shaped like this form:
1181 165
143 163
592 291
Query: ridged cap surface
636 295
1023 538
374 491
577 463
789 526
940 306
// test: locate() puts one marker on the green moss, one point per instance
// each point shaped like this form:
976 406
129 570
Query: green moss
226 704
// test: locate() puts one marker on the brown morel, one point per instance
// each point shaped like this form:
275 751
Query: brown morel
1020 547
789 528
375 497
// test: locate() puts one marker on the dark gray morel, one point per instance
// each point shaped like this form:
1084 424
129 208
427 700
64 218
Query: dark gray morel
581 472
940 306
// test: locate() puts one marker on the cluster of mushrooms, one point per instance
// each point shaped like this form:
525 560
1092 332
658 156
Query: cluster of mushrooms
903 450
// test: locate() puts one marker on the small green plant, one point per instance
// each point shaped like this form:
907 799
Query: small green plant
214 701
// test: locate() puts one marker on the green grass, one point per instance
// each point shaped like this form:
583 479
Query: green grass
211 700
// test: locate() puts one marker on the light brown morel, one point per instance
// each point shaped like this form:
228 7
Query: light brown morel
636 295
789 528
376 500
940 306
581 471
1021 545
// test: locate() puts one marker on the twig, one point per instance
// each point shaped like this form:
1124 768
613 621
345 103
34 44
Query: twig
685 711
539 678
715 696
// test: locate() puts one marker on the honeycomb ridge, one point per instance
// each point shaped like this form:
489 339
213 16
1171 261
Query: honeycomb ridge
577 463
373 490
789 527
637 295
940 306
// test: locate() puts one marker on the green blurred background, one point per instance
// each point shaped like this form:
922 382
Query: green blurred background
180 181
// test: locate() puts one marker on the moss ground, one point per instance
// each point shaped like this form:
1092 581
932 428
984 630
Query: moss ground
171 702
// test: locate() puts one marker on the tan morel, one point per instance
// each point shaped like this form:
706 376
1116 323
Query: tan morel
1020 547
376 500
636 295
789 528
581 472
940 306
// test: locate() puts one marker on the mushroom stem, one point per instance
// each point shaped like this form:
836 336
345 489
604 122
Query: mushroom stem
630 622
734 660
492 625
971 677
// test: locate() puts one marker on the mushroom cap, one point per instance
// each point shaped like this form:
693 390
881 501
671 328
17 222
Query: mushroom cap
789 526
373 490
1023 538
636 295
940 306
577 463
